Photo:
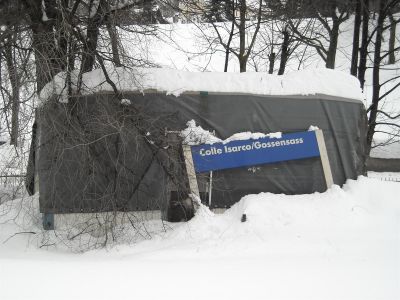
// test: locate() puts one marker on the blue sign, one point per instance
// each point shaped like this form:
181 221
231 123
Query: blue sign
220 156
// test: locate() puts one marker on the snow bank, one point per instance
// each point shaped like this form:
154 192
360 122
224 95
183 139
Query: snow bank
342 244
340 214
174 82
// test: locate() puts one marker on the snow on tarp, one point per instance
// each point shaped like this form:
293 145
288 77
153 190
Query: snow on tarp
175 82
196 135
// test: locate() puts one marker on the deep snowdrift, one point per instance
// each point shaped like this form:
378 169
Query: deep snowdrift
341 244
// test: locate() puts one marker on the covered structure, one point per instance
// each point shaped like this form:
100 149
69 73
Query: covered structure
95 152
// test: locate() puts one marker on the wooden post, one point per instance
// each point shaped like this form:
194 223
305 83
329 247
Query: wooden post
194 188
326 167
210 183
210 189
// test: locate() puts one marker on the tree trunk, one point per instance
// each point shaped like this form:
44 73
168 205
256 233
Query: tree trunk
228 44
112 32
49 38
375 76
331 55
242 36
271 58
92 35
356 39
15 86
284 52
88 56
243 64
392 40
45 50
362 67
47 60
62 36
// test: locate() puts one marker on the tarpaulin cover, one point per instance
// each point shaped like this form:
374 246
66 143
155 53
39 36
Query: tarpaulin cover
94 154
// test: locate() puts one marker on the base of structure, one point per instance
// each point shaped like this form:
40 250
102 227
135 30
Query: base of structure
48 221
102 221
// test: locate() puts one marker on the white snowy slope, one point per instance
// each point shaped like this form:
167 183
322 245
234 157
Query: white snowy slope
175 82
343 244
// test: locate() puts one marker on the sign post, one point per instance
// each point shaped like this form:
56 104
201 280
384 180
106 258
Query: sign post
326 167
194 188
252 152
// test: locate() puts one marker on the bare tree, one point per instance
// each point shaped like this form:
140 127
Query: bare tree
70 38
243 21
362 67
356 38
393 83
392 39
15 77
321 31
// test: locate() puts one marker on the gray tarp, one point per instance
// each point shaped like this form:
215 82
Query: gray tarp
91 154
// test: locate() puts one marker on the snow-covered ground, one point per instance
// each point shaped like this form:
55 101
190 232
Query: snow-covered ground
341 244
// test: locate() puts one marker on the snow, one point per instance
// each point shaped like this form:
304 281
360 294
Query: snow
387 176
342 244
175 82
126 102
196 135
44 15
313 128
386 150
